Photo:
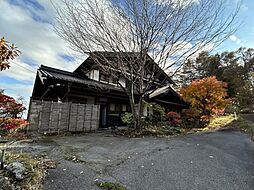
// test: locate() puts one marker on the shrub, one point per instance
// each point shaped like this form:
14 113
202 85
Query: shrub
174 118
127 118
158 114
192 119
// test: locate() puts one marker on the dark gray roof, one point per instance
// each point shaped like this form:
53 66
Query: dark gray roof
61 75
89 62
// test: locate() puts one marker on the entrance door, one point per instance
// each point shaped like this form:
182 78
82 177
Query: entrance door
103 116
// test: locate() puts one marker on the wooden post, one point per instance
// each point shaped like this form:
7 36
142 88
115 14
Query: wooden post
50 116
91 116
28 115
59 117
98 116
69 116
40 117
84 119
76 129
235 116
2 159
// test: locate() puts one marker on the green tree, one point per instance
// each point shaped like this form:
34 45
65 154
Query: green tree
235 68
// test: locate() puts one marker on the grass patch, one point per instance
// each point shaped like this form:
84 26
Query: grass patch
217 122
245 125
34 171
150 131
221 121
229 121
110 186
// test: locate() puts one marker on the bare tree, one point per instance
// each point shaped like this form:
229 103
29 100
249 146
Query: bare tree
139 31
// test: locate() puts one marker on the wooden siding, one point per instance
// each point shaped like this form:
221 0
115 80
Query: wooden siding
51 117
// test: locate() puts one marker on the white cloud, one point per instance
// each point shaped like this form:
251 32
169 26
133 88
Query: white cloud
235 39
16 90
36 40
244 8
35 37
20 71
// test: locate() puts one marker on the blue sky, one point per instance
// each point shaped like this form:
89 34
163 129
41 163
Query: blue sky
28 24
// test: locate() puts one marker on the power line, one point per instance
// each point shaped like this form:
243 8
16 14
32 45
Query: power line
24 67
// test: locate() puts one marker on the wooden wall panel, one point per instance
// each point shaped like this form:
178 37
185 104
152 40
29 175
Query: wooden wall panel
51 117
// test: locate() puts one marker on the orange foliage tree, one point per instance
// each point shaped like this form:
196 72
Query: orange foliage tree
206 97
7 52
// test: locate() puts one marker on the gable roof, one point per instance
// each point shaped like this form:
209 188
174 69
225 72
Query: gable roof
60 74
57 74
89 62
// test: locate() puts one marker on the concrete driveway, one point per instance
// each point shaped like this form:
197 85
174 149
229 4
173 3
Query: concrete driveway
219 160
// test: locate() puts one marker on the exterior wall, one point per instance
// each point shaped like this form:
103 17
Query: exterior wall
50 117
90 99
145 111
94 74
122 82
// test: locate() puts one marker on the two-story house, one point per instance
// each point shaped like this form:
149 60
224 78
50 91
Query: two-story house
90 85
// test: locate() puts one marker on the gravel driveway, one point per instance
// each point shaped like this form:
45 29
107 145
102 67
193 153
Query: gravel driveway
218 160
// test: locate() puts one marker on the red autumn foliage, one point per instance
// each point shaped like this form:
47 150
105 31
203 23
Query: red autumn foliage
12 124
10 112
174 118
9 107
206 97
190 115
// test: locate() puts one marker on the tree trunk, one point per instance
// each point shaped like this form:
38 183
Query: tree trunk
136 110
139 112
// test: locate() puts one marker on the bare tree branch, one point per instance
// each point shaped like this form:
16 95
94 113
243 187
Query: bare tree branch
139 31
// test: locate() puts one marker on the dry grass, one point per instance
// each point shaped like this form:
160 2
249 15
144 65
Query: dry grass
110 186
221 121
150 131
35 171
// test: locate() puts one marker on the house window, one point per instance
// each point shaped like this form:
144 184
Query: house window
124 108
104 77
122 82
112 107
118 107
113 80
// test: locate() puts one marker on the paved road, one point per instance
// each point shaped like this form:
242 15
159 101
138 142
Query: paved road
220 160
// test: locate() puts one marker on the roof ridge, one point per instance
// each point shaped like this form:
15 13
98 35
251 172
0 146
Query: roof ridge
59 70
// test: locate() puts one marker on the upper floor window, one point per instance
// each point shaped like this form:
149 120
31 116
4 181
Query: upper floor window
108 79
112 107
104 78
